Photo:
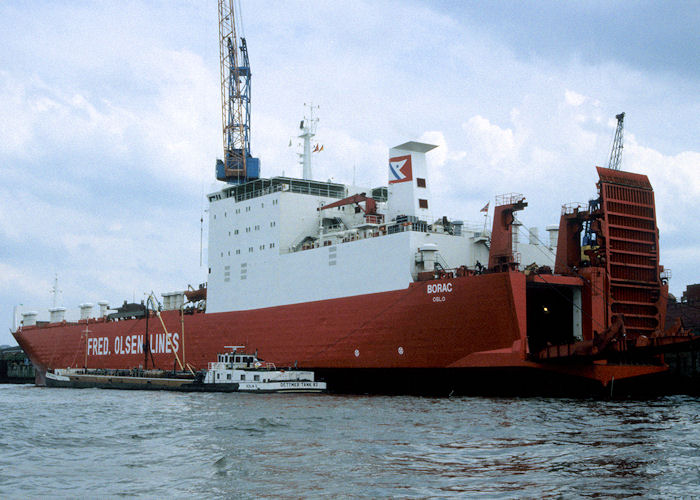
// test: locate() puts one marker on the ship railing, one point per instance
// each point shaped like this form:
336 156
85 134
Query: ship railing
380 230
332 229
573 207
374 219
260 192
508 199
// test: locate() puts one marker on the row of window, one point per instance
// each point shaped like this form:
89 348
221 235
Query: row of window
256 228
248 208
256 378
250 249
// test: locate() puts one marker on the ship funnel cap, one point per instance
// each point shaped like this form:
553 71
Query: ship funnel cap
416 147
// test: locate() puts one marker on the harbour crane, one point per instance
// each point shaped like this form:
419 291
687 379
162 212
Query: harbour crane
238 166
616 152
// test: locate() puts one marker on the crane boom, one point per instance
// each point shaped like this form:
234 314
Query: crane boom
616 152
238 165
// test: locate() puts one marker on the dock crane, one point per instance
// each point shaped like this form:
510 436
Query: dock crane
238 166
589 236
616 152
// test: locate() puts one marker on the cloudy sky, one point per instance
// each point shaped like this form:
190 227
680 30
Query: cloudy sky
110 120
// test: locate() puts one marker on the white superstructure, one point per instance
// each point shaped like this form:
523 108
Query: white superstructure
272 242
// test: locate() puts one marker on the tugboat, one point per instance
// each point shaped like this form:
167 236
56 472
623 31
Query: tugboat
254 375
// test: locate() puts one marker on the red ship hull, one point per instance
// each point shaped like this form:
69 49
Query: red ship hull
460 334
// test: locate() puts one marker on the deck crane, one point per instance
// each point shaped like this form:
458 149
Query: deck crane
238 166
616 152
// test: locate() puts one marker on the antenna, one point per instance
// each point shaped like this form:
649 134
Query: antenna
616 152
55 291
201 237
307 129
201 227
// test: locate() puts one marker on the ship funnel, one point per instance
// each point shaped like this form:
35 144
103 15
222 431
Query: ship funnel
57 314
409 187
553 236
85 310
29 318
516 234
104 305
534 236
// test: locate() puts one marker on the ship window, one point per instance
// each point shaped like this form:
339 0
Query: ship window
262 205
238 359
256 378
422 203
228 376
225 214
218 375
238 210
210 270
420 182
250 249
235 231
229 253
357 210
238 252
247 209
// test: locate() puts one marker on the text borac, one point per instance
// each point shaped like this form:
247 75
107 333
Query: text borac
133 344
439 288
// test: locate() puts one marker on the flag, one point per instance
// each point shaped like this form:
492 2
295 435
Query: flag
315 149
321 148
486 207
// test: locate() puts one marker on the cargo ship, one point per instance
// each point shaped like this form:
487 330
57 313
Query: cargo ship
368 290
374 292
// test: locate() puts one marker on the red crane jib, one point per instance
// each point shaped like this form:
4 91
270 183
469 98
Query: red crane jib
370 204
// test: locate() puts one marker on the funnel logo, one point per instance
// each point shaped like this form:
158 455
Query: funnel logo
400 169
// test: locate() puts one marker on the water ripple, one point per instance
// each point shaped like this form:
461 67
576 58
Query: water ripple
76 443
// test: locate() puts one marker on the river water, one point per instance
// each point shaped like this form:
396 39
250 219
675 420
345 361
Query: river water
70 443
